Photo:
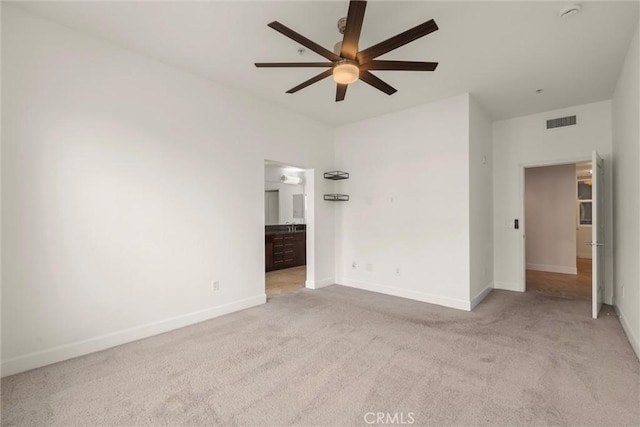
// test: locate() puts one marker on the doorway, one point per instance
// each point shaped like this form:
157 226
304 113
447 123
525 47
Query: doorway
558 207
285 229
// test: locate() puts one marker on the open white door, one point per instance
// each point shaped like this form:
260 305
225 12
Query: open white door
597 233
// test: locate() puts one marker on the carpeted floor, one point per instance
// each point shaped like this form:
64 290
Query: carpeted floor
330 356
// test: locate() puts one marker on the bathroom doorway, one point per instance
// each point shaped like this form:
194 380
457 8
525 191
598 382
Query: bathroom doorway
285 229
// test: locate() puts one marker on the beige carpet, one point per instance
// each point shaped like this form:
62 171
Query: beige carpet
330 356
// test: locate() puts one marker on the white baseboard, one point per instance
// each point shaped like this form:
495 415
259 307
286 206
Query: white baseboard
633 340
482 295
317 284
508 286
79 348
553 268
406 293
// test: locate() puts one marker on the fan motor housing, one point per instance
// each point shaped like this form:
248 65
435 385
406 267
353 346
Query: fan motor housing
342 24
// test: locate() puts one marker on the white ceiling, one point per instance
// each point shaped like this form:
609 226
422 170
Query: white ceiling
500 52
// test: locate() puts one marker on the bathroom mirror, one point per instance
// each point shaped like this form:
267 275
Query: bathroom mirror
285 198
298 206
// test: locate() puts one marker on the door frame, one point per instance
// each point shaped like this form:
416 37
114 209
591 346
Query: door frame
598 234
522 259
310 214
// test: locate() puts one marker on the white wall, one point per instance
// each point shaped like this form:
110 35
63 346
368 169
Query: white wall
550 218
409 206
480 203
626 187
127 186
271 208
525 141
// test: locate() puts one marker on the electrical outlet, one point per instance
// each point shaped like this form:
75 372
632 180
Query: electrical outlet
353 265
369 267
215 285
397 271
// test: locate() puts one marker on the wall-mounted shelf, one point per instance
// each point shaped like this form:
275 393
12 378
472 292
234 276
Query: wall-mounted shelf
337 197
336 175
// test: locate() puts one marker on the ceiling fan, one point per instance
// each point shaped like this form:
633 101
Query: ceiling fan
347 64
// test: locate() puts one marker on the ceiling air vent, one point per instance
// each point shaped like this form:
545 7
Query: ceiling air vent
561 122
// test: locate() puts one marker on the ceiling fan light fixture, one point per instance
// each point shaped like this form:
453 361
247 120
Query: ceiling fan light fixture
346 60
346 71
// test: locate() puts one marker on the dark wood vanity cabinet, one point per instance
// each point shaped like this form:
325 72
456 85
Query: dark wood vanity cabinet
300 249
284 250
268 253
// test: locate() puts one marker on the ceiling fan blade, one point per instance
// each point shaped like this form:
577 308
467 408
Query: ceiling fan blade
293 64
341 91
397 41
311 81
351 37
369 78
304 41
399 65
